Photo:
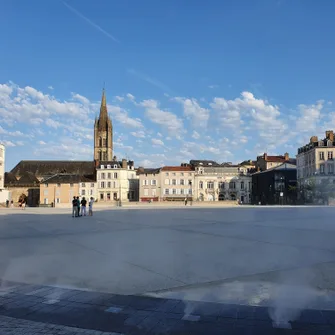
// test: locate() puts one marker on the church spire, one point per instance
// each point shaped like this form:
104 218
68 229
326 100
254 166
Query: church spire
103 107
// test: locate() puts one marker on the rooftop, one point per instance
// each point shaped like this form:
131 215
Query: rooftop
64 178
177 168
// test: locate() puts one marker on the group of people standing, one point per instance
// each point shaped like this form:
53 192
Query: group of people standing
79 207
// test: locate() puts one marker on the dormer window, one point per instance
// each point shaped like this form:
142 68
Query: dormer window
109 166
115 166
102 166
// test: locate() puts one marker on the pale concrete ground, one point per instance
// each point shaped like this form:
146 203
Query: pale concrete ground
248 255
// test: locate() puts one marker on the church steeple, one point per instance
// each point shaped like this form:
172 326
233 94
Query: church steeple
103 133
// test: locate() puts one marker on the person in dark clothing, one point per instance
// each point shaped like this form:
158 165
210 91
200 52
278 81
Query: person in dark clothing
78 204
83 206
74 207
7 203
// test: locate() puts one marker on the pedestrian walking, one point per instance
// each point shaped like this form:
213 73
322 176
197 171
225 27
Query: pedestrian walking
185 201
7 203
12 204
83 206
74 207
90 207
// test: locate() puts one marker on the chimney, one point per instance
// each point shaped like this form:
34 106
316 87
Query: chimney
286 156
265 156
330 135
313 139
124 163
96 163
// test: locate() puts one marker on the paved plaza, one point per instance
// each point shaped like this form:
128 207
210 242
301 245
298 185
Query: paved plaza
275 262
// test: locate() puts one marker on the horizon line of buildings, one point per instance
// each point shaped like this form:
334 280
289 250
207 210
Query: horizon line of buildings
266 180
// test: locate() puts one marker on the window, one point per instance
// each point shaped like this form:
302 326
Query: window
167 191
46 200
102 184
190 174
105 142
232 185
201 185
330 155
58 185
153 192
173 173
145 182
249 185
322 168
46 185
174 182
322 155
92 184
221 185
114 184
57 201
115 175
242 185
101 196
71 185
109 184
91 192
103 175
166 173
167 182
82 192
190 191
210 185
182 182
82 184
115 196
46 192
109 175
153 182
109 166
146 191
182 173
330 168
108 196
181 191
174 191
190 182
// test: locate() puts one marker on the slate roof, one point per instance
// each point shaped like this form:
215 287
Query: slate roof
49 168
195 162
177 168
64 178
148 170
28 178
284 166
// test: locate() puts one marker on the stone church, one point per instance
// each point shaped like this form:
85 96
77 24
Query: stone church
26 176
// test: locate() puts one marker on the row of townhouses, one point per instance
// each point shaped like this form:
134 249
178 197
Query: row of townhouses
266 180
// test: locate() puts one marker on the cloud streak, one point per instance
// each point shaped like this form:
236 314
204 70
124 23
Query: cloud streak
90 22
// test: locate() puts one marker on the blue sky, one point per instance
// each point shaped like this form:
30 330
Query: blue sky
223 80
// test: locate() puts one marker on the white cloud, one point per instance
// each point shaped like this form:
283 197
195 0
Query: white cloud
156 141
20 143
120 115
213 86
50 87
52 123
195 135
139 134
41 143
8 143
167 120
80 98
130 97
119 98
309 117
159 134
193 111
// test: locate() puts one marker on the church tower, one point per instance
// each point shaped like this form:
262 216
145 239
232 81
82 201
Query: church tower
103 134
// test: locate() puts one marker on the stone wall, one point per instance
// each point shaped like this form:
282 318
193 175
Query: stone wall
33 194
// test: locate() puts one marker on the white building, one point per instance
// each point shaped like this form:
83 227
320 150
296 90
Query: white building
88 190
316 167
219 182
117 180
4 194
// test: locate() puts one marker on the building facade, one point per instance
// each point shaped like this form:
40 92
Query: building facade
316 169
220 182
103 134
275 186
149 184
88 189
265 161
117 181
59 190
176 183
2 166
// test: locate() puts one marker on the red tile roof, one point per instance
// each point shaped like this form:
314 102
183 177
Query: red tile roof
176 168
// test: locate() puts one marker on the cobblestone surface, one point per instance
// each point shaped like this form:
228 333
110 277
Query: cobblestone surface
13 326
